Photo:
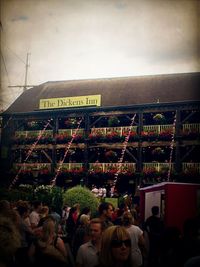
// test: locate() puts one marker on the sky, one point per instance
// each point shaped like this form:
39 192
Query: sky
86 39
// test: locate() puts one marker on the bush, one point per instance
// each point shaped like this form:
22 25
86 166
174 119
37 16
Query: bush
83 196
51 196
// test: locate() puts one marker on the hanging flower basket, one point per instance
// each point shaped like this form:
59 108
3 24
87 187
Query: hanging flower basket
159 117
71 122
113 121
158 151
110 154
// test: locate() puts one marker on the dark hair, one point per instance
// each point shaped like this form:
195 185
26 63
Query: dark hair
104 206
22 210
155 210
36 204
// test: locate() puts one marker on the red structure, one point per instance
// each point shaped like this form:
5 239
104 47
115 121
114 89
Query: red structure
177 202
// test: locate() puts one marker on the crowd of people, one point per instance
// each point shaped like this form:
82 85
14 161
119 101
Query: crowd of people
34 235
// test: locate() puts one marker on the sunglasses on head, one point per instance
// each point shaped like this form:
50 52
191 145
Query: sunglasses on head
118 243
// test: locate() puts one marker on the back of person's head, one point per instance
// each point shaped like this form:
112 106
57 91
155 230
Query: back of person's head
9 240
48 228
127 218
84 219
4 205
22 210
155 210
36 204
85 210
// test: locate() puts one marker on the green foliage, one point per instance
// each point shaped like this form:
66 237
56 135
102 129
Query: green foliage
113 121
51 196
83 196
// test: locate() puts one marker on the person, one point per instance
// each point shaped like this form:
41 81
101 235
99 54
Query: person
105 213
49 249
71 225
115 248
26 234
34 216
44 212
95 190
154 226
87 255
65 213
81 235
9 241
54 213
137 239
85 211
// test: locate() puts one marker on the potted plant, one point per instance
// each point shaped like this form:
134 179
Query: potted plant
159 118
110 155
113 121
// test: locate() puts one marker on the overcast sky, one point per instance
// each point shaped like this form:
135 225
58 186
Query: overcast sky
78 39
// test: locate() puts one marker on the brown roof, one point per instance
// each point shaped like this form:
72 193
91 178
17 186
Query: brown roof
115 91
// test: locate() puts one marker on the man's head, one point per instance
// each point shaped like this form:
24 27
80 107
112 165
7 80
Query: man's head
96 229
155 210
106 210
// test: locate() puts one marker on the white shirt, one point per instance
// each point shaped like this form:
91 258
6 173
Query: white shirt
34 218
135 232
87 255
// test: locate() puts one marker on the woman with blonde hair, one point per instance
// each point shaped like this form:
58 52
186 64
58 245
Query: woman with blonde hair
49 249
115 248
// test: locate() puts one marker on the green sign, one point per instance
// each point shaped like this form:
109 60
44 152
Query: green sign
113 201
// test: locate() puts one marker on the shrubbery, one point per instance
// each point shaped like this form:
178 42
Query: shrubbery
81 195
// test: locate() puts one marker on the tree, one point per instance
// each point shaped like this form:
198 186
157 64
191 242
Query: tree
83 196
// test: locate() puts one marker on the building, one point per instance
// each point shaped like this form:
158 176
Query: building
145 128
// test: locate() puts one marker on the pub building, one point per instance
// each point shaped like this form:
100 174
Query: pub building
132 131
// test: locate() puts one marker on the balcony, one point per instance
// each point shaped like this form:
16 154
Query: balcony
106 167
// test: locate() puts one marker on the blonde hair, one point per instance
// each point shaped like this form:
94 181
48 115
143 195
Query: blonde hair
127 218
48 229
84 219
111 233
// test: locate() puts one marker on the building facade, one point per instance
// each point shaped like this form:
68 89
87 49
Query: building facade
132 131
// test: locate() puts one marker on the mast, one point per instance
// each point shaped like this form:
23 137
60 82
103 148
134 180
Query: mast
25 86
26 73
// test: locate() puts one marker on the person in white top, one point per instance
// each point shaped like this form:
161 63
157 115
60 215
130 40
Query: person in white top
95 190
87 255
137 239
104 191
34 216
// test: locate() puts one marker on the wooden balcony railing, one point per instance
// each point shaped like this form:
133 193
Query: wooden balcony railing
32 166
33 133
191 166
158 128
104 167
191 127
71 166
106 130
157 166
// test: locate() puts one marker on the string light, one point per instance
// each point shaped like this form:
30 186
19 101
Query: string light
123 151
67 148
171 150
29 153
6 124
